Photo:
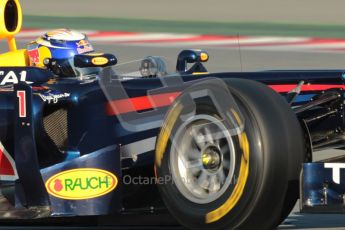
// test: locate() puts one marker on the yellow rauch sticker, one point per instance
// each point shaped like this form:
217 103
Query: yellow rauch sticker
83 183
99 61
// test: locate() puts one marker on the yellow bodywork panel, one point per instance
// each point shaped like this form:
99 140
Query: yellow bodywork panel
18 58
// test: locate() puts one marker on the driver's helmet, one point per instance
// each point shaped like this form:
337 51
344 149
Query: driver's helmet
56 49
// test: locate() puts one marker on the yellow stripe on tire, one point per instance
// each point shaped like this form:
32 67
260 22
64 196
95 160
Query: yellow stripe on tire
165 132
230 203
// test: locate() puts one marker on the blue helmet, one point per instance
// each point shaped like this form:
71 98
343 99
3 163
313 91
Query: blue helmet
56 49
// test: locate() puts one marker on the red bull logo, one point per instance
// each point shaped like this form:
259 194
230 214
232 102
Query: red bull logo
8 170
84 46
38 54
82 43
34 56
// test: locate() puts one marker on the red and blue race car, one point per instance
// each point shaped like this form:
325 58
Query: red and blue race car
216 150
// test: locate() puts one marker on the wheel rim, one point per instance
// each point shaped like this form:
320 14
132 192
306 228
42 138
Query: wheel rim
202 159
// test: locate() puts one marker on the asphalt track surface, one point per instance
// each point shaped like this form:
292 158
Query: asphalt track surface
230 60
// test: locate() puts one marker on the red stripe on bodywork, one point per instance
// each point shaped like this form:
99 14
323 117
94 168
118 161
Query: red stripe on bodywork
121 106
289 87
135 104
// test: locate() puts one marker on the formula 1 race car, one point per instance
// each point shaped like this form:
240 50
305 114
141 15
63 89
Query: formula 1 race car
217 150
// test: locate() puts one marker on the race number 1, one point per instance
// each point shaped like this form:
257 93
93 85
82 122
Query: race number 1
22 103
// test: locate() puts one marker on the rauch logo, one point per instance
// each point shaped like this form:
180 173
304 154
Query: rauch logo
83 183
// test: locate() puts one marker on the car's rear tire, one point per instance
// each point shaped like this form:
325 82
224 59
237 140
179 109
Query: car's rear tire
258 162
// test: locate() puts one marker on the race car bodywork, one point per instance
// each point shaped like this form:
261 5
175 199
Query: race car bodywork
73 146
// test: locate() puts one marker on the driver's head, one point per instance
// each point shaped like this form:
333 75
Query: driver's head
56 49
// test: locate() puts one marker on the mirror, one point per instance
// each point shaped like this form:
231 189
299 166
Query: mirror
195 57
94 60
11 16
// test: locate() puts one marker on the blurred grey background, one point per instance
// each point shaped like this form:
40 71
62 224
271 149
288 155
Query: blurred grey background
279 11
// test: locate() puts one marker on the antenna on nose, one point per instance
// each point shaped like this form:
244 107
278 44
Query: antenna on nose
239 50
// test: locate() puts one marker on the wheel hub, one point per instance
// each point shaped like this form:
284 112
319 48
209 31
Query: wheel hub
211 158
203 159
